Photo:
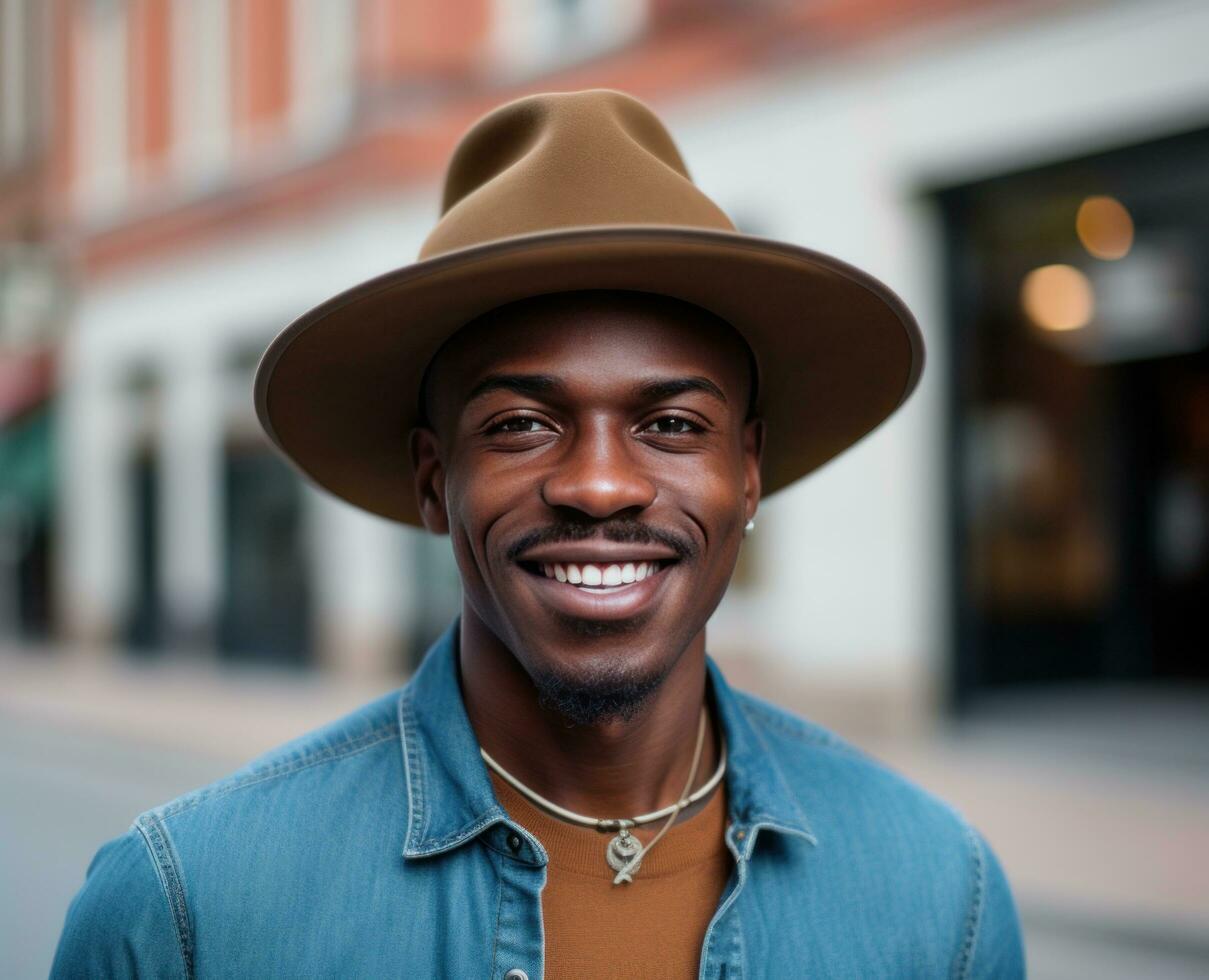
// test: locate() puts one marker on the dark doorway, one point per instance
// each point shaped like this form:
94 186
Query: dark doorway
265 612
27 484
1079 448
145 620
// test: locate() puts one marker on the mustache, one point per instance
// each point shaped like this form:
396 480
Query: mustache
622 531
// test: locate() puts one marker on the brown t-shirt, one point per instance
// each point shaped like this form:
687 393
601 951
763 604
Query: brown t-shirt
649 928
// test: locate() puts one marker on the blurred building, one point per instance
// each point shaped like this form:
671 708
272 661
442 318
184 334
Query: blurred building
181 178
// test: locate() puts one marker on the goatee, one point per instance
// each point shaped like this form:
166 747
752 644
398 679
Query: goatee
607 696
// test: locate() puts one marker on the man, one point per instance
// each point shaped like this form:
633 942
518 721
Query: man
588 382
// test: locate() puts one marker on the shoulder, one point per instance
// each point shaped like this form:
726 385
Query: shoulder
833 778
122 922
895 843
368 726
142 890
310 780
371 729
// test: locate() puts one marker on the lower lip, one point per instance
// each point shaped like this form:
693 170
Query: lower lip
613 603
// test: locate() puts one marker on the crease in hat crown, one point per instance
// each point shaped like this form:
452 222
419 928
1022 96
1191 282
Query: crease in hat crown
561 160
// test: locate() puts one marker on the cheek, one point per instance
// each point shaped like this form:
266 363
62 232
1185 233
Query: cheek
469 492
476 500
484 483
710 489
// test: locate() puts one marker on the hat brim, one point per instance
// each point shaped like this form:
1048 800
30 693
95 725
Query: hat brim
837 351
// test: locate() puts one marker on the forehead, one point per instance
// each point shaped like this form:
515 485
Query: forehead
593 339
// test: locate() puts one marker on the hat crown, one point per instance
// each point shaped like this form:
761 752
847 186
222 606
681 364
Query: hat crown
566 159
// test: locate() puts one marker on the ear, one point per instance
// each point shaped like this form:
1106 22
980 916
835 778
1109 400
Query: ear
753 453
429 472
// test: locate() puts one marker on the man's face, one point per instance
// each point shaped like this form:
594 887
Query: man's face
591 459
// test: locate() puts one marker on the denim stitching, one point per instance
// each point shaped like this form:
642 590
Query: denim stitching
740 950
831 742
329 754
413 771
499 913
434 846
767 752
763 821
402 711
729 899
965 958
167 866
803 733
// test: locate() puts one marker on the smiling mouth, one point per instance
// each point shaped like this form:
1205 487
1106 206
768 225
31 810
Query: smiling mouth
596 577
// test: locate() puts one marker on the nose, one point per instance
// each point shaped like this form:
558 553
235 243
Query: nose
599 475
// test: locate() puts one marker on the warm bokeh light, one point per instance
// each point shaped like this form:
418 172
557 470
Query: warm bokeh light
1104 227
1057 297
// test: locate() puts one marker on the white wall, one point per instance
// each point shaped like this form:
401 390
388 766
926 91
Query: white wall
830 155
187 317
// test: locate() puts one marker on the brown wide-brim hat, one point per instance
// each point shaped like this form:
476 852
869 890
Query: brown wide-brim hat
571 191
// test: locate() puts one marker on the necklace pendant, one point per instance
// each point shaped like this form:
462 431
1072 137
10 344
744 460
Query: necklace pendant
620 855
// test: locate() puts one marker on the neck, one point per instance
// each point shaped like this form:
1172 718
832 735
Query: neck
617 768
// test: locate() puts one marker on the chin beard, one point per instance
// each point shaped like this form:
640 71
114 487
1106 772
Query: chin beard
605 696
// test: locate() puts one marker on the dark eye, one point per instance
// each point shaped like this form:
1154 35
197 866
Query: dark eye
518 423
671 425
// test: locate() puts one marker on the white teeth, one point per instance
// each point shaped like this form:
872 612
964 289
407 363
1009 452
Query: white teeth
600 576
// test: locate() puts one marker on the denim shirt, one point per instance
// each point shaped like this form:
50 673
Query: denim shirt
375 847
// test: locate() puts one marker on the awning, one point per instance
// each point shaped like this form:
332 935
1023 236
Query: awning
27 464
27 379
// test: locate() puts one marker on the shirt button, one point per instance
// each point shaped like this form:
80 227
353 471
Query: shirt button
514 845
516 975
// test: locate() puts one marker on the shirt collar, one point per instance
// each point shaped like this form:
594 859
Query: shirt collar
449 793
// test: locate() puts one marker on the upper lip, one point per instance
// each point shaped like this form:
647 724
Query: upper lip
597 553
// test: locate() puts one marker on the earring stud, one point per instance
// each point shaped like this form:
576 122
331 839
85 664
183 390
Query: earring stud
749 527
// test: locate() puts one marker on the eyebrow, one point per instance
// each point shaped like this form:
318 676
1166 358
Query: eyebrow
532 385
536 385
661 388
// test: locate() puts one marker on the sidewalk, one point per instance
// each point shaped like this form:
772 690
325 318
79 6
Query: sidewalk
1096 802
232 711
1098 807
1108 853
